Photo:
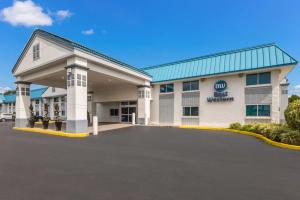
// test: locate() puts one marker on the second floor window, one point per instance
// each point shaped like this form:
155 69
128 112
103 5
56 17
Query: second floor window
190 85
258 79
36 51
167 88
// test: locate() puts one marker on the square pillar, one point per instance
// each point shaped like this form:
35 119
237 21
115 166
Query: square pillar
90 106
77 99
22 104
144 97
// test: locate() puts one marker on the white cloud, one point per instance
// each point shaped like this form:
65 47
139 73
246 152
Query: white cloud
88 32
295 90
297 87
63 14
25 13
4 89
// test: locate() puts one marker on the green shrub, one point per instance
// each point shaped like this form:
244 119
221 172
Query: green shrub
235 126
248 127
292 115
291 137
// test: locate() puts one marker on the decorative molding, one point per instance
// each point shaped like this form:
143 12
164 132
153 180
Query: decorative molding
77 66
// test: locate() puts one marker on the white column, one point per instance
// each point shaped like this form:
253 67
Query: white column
22 104
177 103
76 96
275 109
144 97
90 105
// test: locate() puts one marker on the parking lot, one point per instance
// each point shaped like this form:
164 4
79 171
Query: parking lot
145 163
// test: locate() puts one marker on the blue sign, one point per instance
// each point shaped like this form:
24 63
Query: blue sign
220 86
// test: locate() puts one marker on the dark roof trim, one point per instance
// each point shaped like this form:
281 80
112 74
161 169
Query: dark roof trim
221 73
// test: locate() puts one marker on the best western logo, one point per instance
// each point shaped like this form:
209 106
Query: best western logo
220 93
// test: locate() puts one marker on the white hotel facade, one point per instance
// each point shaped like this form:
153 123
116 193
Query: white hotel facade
244 85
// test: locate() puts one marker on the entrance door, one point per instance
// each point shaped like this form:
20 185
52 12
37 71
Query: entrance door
127 108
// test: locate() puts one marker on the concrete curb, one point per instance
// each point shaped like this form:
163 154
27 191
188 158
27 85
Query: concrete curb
52 132
266 140
40 123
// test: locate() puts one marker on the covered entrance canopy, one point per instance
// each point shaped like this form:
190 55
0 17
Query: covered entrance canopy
53 61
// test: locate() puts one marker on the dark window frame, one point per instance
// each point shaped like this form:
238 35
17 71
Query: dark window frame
114 112
187 111
260 79
166 88
261 110
188 85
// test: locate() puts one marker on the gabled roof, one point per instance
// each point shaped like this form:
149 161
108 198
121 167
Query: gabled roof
72 44
37 93
34 94
257 57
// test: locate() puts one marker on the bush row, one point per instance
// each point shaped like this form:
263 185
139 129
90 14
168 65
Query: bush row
275 132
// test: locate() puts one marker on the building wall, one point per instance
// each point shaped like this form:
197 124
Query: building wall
284 101
113 94
221 113
48 52
103 111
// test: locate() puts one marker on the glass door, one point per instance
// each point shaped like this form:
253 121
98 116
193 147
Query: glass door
127 108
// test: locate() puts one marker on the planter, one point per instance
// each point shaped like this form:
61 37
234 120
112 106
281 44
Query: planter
45 124
31 123
58 126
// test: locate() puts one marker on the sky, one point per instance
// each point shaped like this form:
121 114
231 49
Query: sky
146 33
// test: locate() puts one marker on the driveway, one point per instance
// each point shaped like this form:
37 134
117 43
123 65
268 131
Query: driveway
145 163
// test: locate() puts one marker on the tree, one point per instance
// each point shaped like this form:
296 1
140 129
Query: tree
292 114
293 98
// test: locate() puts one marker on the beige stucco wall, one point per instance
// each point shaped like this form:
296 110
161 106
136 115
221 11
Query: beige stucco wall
48 52
221 113
120 93
103 111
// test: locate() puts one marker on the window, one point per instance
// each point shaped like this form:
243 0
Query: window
190 85
27 92
256 79
141 94
56 99
190 111
70 79
167 88
37 102
258 110
78 80
264 78
53 89
84 81
36 52
114 112
63 109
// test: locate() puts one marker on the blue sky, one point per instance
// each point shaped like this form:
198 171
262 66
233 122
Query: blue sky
145 33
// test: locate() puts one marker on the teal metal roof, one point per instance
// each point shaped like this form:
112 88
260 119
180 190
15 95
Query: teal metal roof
257 57
10 98
34 94
72 44
1 98
37 93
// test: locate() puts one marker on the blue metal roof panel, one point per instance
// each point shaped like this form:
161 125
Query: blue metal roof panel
10 98
37 93
34 94
262 56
